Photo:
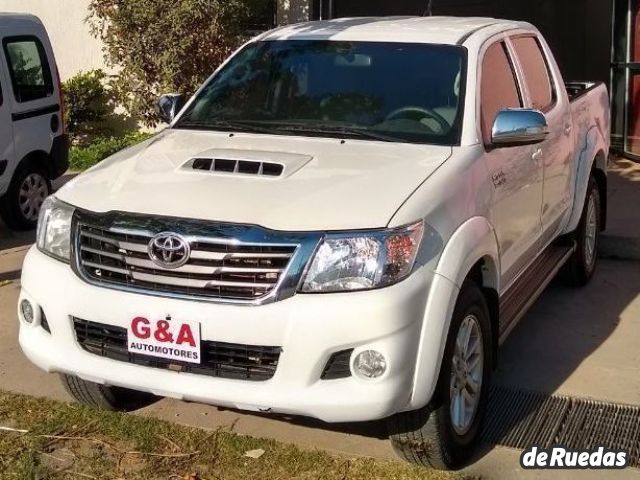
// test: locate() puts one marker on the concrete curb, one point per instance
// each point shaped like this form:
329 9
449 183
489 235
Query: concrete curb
621 248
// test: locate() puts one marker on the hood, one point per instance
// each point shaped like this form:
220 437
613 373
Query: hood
326 184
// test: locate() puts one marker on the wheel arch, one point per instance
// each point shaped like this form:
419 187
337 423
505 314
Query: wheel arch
599 172
471 253
39 158
592 160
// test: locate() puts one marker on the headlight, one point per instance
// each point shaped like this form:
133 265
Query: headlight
363 261
54 228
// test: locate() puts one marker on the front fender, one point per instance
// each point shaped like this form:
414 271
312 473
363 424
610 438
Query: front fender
475 240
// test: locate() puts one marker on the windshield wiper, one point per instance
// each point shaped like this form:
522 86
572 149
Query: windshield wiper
226 125
343 130
272 128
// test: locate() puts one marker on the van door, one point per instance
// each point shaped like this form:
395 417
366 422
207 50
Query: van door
33 94
7 154
515 171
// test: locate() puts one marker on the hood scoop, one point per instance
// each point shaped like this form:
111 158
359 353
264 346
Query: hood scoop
257 164
239 167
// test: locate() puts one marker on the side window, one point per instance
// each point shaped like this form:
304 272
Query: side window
498 89
28 68
536 72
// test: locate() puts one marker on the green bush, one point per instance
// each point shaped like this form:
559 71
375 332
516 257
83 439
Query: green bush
86 104
81 158
164 46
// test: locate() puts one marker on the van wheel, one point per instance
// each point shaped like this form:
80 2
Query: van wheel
442 435
105 397
579 270
21 205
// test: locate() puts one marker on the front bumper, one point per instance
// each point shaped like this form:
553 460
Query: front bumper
309 328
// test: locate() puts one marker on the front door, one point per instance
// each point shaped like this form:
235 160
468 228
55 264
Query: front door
516 171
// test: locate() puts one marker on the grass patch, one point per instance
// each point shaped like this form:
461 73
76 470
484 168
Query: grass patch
83 157
66 441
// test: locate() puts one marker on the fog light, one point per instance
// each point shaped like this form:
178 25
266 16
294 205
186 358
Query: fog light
27 311
370 364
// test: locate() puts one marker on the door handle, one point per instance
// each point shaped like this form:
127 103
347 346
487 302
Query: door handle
537 155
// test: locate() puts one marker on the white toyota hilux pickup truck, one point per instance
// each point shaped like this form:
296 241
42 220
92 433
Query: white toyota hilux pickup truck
344 222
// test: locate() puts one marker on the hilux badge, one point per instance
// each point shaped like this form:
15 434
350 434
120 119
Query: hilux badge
169 250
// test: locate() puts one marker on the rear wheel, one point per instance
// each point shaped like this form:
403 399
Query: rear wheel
442 434
580 268
21 205
105 397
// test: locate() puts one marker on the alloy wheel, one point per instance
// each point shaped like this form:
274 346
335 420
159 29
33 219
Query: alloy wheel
466 375
33 191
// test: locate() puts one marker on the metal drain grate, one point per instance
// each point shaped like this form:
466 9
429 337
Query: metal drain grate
521 419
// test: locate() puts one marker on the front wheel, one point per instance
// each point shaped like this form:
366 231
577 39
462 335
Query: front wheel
21 205
580 268
104 396
443 434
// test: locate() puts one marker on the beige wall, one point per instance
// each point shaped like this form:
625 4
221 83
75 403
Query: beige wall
77 50
74 46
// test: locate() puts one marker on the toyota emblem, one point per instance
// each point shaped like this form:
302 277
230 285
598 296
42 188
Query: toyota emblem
169 250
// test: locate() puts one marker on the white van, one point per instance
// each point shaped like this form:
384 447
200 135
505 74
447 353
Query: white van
33 145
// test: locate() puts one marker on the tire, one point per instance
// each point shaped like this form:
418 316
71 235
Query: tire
580 268
30 184
428 437
105 397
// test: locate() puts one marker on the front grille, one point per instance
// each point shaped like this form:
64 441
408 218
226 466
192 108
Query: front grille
44 323
224 360
216 269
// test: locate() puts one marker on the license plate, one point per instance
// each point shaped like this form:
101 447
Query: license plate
166 338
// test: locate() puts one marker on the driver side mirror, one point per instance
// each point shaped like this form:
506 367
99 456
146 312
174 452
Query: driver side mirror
169 105
519 126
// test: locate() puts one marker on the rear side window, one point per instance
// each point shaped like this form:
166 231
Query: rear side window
499 88
536 72
28 68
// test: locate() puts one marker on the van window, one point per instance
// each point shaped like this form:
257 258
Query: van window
499 88
28 68
536 72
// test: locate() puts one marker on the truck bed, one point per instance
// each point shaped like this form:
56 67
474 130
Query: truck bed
577 89
590 108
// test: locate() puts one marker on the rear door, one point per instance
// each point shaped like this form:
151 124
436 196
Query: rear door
516 172
542 84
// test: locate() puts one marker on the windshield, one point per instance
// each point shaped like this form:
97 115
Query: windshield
384 91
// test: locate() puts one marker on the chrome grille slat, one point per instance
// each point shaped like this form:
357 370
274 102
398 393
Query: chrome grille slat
218 268
200 255
100 266
189 282
195 269
258 255
134 247
148 264
115 256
